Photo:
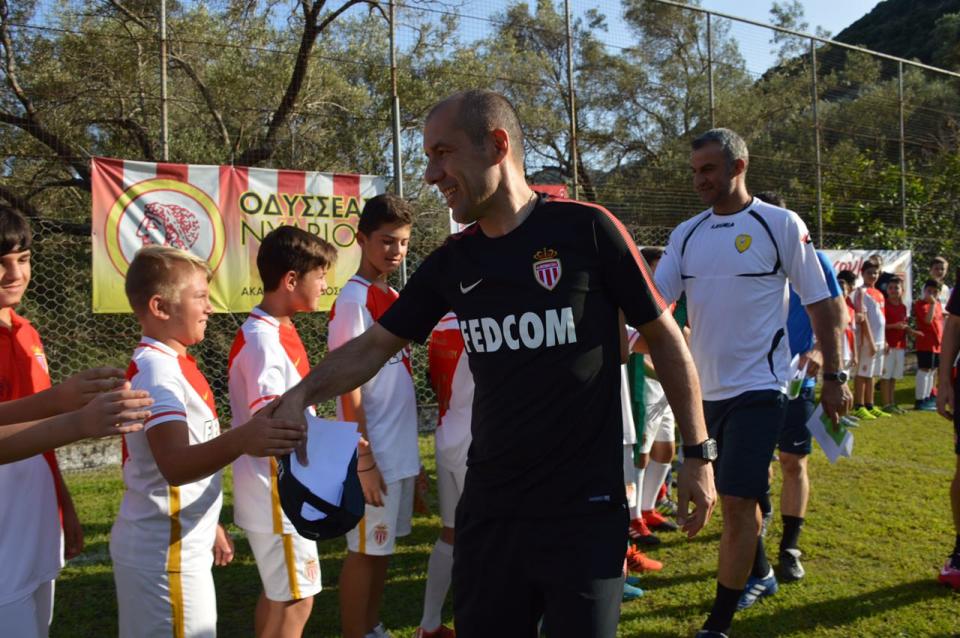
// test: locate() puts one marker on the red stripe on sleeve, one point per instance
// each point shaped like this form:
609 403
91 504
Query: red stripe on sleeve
167 413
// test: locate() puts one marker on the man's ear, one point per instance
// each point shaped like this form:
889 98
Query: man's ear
502 144
739 168
361 238
158 307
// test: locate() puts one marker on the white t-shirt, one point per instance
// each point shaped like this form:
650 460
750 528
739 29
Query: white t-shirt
266 359
31 540
871 303
389 400
452 380
161 527
734 269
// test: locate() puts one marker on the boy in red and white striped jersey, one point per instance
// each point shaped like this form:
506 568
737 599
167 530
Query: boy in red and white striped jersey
266 360
452 381
166 535
385 407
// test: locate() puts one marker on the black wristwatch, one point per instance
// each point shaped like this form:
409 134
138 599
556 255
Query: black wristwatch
706 450
841 376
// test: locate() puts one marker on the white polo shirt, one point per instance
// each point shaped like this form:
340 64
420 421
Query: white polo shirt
161 527
734 269
452 380
389 400
267 359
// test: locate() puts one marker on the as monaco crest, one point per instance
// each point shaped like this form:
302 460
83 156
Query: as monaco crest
546 268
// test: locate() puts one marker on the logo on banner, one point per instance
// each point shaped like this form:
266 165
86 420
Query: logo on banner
165 212
742 243
547 268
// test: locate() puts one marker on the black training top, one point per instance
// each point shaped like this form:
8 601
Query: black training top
538 313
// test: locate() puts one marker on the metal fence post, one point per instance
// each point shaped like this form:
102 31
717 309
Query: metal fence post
164 133
395 114
713 122
573 105
816 140
903 149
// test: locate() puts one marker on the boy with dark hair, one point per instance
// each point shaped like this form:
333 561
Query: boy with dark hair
928 315
38 522
938 272
385 409
897 316
166 536
848 281
266 360
871 341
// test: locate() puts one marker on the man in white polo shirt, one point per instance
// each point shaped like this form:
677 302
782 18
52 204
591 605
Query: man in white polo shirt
734 261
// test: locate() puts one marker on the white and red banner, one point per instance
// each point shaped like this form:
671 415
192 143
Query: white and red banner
220 213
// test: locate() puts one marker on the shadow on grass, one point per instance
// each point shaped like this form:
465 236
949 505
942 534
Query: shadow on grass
838 612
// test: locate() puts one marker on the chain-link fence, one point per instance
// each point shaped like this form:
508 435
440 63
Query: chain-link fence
862 145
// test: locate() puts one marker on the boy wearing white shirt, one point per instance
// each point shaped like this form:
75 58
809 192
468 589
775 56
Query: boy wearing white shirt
166 535
267 359
385 409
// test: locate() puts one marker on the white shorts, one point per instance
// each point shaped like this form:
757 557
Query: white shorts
165 603
870 366
289 565
380 527
29 616
893 364
449 490
660 428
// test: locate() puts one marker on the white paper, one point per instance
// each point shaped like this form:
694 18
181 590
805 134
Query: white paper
330 448
835 441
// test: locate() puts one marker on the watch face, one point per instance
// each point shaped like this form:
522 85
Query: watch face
710 449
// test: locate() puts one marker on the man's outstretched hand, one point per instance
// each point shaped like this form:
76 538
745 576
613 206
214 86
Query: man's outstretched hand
290 408
695 483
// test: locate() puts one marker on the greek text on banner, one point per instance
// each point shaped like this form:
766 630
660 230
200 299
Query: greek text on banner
219 213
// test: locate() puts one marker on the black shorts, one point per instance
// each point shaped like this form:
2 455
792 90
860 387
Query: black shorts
508 573
795 437
928 360
746 428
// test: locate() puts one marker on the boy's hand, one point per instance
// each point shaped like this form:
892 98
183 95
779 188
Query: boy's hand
81 388
265 435
946 400
872 349
222 547
72 530
117 412
374 487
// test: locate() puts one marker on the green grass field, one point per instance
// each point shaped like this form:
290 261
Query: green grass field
878 529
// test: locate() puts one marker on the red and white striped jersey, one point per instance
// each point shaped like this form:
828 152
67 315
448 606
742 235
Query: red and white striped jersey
452 381
31 541
266 360
162 527
389 400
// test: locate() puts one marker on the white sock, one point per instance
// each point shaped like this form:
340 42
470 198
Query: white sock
921 391
930 379
439 573
656 475
635 505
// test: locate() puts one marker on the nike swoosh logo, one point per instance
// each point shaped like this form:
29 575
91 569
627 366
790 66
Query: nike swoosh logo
799 442
466 289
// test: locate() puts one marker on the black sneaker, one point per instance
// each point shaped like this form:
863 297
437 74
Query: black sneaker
790 567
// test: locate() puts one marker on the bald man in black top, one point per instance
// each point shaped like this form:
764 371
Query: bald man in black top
537 285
